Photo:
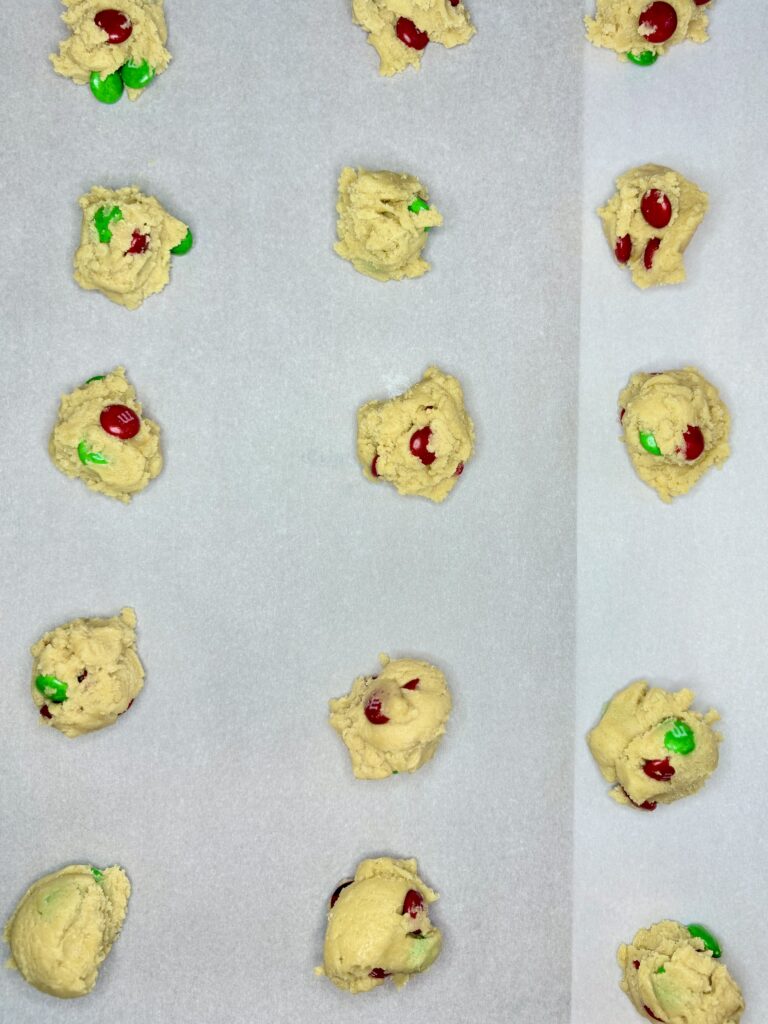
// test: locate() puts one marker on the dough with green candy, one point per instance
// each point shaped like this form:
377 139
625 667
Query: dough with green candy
379 927
81 447
443 21
617 26
64 927
419 441
653 253
384 222
125 245
87 673
653 746
393 722
671 974
675 427
87 49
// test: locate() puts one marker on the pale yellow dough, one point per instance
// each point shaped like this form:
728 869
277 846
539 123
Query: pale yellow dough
665 405
64 927
97 661
622 216
417 718
367 929
616 26
126 278
131 463
377 232
385 430
87 48
631 732
677 978
442 22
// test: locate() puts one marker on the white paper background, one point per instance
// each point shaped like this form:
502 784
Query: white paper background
676 594
266 573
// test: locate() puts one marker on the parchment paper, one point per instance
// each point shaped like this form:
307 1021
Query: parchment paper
265 571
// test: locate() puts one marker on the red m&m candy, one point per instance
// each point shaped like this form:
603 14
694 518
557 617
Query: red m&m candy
410 35
120 421
656 208
658 22
623 248
116 24
418 445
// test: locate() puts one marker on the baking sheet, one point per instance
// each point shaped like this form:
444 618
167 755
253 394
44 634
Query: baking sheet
675 594
265 572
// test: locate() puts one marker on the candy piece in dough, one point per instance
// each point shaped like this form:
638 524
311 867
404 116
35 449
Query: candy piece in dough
671 976
419 441
617 26
108 266
440 19
86 673
64 927
87 48
393 722
633 748
379 927
80 446
378 233
680 414
654 254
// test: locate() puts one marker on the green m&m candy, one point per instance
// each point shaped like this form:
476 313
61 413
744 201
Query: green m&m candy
108 89
643 59
86 455
184 245
98 875
52 688
101 221
137 76
417 205
680 738
97 377
648 441
700 932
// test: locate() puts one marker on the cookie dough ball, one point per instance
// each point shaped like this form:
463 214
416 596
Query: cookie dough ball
126 244
672 974
64 927
399 30
112 48
384 222
393 722
419 441
653 746
640 30
86 673
101 437
650 221
379 927
675 427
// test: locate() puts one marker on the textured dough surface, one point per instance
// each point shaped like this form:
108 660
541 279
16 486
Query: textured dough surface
367 929
385 429
64 927
677 978
616 26
86 49
97 661
377 232
665 405
126 278
622 216
131 463
631 732
442 22
417 718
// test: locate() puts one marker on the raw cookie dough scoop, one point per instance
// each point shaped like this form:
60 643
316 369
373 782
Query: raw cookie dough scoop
113 48
675 427
400 30
393 722
64 927
379 927
87 673
653 746
672 975
641 30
